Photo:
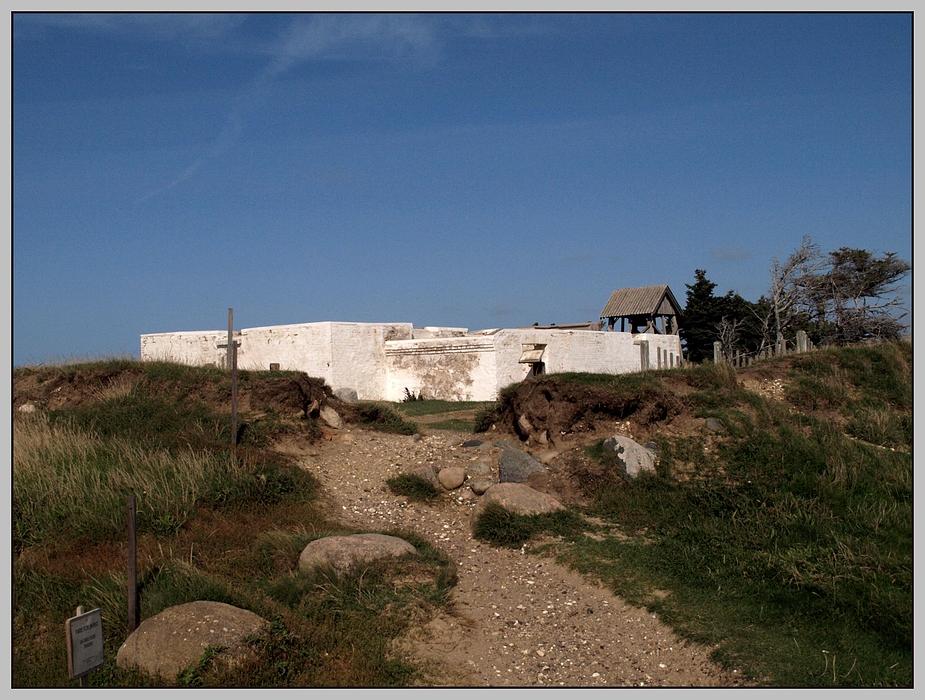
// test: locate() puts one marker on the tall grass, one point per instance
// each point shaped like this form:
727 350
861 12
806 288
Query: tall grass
66 478
214 523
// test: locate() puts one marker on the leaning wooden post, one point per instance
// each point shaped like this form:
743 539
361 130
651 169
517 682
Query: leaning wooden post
231 362
132 568
228 352
234 394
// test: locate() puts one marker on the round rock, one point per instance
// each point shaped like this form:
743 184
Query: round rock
517 498
176 638
451 477
480 486
345 552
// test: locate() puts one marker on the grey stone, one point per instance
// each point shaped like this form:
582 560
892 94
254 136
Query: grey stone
480 469
331 417
525 425
451 477
633 458
344 553
471 443
176 638
517 498
480 486
515 466
345 393
715 425
429 472
546 456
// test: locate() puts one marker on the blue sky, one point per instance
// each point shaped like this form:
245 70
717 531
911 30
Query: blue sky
475 170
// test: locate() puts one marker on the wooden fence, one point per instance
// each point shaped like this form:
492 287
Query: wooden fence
744 359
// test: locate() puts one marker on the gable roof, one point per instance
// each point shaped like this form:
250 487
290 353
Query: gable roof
656 300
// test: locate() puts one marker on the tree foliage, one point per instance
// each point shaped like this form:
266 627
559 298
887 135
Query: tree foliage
730 319
844 297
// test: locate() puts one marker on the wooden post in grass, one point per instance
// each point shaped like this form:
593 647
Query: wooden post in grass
132 568
231 363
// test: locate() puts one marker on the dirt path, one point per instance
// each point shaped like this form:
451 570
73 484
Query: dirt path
518 619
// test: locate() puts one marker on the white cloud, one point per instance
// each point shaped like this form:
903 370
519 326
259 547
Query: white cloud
341 37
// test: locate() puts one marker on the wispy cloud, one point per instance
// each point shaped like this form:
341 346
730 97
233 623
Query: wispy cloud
729 253
310 38
501 310
355 37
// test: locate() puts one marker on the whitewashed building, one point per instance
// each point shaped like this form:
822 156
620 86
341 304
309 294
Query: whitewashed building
384 361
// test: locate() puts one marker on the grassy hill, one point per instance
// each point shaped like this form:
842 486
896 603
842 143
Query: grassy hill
781 535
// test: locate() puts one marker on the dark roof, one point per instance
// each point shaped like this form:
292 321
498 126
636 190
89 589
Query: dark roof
656 300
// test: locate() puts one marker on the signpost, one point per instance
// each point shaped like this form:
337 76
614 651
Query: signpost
231 362
84 643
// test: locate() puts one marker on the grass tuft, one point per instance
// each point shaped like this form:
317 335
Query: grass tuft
413 486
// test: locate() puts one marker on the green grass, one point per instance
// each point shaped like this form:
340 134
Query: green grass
213 522
429 407
498 526
381 417
793 551
783 542
412 486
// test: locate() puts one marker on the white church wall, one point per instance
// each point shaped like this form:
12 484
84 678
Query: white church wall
452 369
359 356
185 347
380 360
303 347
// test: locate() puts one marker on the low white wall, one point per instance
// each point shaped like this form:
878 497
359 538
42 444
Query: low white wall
380 360
575 351
359 356
303 347
452 369
185 347
343 354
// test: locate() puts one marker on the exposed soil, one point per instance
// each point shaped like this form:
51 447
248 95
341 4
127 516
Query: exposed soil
517 618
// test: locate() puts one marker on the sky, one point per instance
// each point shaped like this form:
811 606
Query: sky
468 170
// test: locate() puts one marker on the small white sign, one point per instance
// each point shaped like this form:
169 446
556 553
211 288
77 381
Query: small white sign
84 642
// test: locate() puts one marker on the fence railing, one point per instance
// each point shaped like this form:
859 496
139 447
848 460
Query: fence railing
738 358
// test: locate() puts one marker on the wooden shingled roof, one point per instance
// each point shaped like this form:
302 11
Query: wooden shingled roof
656 300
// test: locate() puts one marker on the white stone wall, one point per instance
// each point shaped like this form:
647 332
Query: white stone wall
453 369
380 360
185 347
343 354
304 347
573 351
358 352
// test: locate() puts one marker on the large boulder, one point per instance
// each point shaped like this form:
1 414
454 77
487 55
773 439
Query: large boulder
346 552
346 394
633 458
514 466
177 638
517 498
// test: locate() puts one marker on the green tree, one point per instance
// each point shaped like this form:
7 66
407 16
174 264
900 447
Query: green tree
855 297
842 298
698 331
729 319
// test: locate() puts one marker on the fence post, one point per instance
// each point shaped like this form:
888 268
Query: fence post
132 568
644 355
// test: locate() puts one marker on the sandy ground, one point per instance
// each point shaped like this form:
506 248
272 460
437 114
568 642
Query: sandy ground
518 619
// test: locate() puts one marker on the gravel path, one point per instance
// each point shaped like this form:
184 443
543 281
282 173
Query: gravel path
518 619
